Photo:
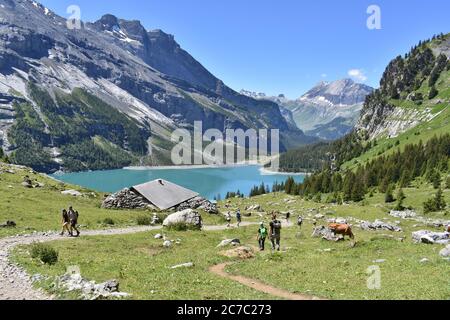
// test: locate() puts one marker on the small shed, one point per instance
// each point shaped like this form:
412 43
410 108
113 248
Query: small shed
164 194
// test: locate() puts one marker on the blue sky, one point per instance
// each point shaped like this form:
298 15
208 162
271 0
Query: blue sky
282 46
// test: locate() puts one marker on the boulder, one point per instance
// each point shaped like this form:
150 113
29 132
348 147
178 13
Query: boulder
227 242
158 236
239 252
167 244
445 253
73 193
189 217
430 237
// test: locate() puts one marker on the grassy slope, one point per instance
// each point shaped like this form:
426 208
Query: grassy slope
424 131
141 264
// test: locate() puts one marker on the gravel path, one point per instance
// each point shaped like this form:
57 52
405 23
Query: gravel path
258 285
16 284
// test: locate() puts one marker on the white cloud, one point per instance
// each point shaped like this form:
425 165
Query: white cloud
357 74
324 75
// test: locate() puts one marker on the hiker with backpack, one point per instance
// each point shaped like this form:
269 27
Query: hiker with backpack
262 235
73 217
228 218
65 222
238 217
275 232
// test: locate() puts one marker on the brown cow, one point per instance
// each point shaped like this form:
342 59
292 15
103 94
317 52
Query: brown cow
448 228
340 228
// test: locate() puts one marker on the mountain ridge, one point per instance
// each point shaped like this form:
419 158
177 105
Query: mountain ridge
145 75
328 111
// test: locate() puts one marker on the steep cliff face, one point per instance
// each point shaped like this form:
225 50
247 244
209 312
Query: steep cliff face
410 89
145 77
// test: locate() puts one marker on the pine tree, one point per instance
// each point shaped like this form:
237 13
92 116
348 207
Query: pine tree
400 197
433 92
388 197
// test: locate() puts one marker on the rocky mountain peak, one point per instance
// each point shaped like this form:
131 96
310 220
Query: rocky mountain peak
340 92
107 22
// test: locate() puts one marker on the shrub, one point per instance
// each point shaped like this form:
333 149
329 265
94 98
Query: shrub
144 220
44 253
435 204
108 222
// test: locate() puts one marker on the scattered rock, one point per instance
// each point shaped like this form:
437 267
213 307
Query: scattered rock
73 193
430 237
379 261
424 260
89 289
326 234
254 208
167 244
239 252
338 220
158 236
227 242
184 265
403 214
319 216
379 225
189 217
445 253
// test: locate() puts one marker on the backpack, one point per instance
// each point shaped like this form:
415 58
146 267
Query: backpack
276 224
263 232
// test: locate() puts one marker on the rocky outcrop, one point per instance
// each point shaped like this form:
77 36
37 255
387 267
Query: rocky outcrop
188 217
89 289
379 225
326 234
430 237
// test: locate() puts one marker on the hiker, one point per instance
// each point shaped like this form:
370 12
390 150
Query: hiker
288 216
262 235
228 218
238 217
275 232
73 217
300 221
65 222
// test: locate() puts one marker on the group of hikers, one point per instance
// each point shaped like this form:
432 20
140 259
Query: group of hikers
70 222
273 232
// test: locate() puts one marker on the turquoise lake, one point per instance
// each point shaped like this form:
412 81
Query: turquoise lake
209 182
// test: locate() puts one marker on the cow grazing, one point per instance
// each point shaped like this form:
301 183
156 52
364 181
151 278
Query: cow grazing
343 229
448 228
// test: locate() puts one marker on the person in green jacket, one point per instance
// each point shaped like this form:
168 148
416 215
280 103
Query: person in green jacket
262 235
